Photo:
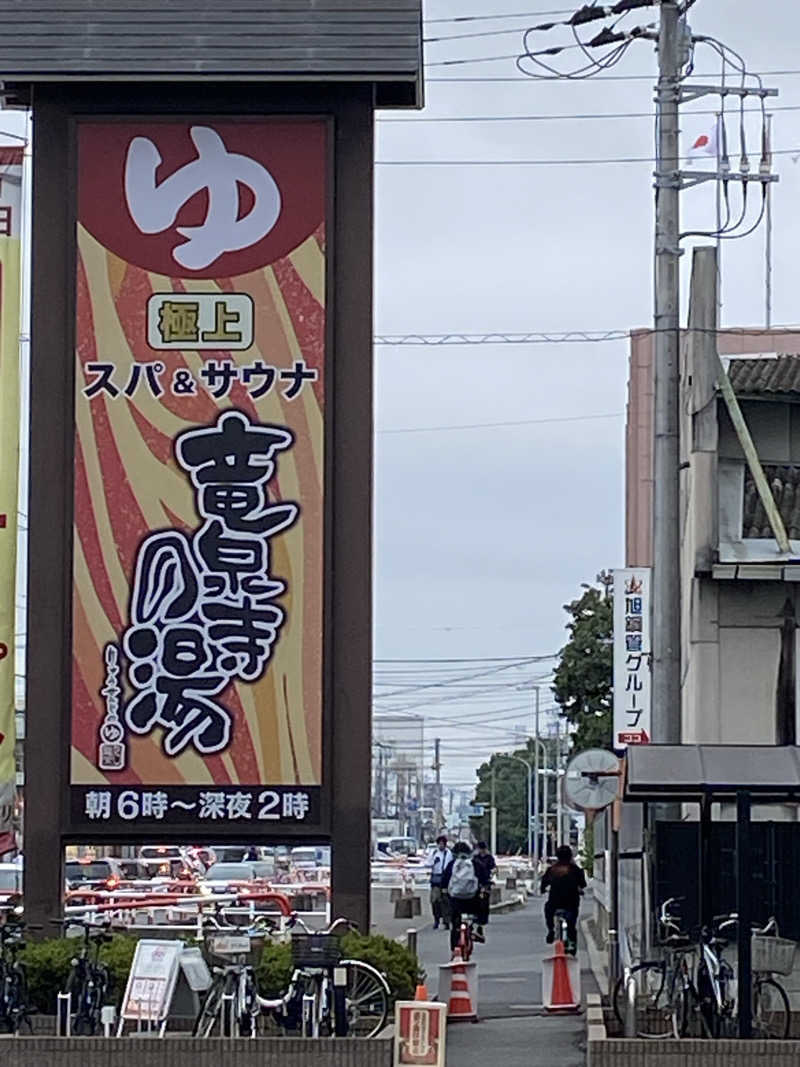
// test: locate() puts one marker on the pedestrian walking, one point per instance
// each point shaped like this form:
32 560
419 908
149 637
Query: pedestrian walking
441 864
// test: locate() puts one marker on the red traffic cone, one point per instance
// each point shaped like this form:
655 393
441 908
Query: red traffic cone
563 997
422 992
460 1007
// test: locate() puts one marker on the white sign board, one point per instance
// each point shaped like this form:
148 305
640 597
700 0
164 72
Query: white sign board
151 982
632 657
230 945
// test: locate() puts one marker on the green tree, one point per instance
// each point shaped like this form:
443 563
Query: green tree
583 680
510 785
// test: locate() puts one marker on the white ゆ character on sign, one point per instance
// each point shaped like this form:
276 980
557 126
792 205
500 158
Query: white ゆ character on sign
154 207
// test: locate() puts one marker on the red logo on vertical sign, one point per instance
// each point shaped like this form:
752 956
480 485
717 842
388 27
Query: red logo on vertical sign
204 199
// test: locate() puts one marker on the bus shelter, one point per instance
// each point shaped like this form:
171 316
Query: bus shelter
704 774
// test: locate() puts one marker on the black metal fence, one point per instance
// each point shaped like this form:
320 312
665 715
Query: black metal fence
774 867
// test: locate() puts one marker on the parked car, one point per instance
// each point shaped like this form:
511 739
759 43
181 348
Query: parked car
164 861
10 884
101 872
229 877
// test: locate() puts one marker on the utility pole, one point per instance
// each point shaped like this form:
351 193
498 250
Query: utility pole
666 712
536 852
437 767
493 820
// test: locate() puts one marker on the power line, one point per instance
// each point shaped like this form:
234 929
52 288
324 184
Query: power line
599 115
611 160
532 338
556 337
477 659
610 77
497 425
495 18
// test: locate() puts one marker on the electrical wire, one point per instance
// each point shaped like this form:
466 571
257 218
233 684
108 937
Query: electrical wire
501 425
610 78
563 337
612 160
495 18
566 117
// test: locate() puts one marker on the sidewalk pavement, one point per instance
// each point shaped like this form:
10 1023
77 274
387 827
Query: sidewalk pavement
514 1030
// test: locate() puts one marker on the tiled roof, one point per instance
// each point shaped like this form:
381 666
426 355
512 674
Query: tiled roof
781 375
784 481
378 41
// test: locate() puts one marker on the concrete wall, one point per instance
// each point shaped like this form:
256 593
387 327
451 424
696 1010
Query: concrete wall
639 426
194 1052
691 1053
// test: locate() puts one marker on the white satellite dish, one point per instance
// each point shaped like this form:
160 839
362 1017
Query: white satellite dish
591 781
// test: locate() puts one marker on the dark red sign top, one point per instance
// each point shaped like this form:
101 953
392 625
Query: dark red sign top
246 159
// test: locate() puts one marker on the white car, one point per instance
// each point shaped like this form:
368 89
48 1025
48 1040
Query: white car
10 883
233 877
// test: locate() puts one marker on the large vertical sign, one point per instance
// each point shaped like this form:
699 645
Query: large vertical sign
197 614
10 219
632 657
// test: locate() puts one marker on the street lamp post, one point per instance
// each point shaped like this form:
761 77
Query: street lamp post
519 759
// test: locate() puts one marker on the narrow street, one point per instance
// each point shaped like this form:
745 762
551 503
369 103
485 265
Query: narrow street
513 1030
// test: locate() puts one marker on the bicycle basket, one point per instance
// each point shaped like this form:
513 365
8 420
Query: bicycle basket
773 954
315 950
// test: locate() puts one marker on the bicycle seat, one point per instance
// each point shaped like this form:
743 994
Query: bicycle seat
718 942
677 941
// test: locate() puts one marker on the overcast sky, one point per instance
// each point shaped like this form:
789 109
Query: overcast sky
481 535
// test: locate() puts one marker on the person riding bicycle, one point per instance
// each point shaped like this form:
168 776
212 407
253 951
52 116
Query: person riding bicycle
462 890
485 866
565 880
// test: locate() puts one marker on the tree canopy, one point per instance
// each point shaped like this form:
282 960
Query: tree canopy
583 679
511 784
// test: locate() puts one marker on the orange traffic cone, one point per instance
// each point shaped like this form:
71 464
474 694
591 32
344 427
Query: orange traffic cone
422 993
563 998
460 1007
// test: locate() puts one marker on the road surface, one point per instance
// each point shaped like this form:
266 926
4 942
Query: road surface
514 1030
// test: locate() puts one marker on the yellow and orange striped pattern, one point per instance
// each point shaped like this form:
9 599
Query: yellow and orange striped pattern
127 484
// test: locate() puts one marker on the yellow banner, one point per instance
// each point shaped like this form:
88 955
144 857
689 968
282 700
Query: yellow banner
10 219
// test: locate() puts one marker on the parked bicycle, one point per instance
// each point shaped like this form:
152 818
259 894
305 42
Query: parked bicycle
231 1003
327 995
692 990
89 982
656 980
15 1012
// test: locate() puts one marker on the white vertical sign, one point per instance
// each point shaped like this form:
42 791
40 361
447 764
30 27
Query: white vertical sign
632 657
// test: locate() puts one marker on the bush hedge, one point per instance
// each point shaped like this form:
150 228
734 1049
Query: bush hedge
48 965
400 966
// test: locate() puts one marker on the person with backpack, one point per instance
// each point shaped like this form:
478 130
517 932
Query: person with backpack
462 890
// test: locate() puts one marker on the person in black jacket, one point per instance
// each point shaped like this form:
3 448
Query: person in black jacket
485 865
565 881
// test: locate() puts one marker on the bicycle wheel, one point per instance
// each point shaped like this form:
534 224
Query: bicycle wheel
87 1020
771 1013
651 1019
209 1012
247 1004
680 1002
367 999
465 942
16 1002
